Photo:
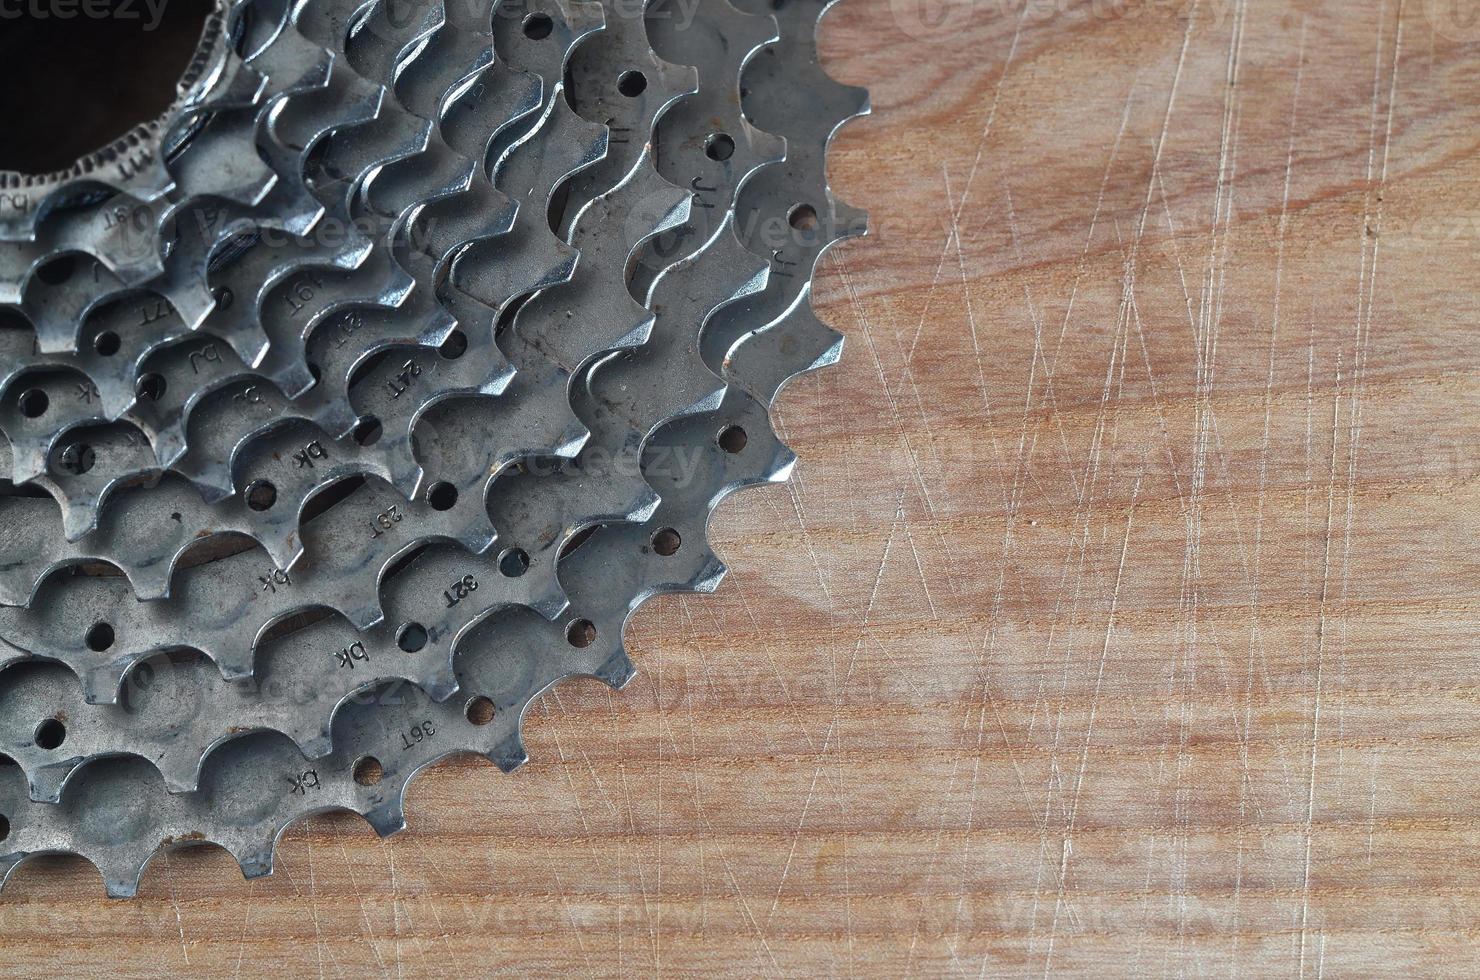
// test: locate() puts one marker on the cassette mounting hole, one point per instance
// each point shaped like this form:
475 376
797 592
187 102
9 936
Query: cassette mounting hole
442 496
107 343
803 217
152 387
455 346
412 637
666 542
50 734
632 83
261 495
99 637
368 431
479 711
514 562
537 27
732 439
368 771
34 403
77 458
581 633
719 146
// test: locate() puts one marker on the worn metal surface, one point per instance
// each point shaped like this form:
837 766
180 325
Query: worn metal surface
637 402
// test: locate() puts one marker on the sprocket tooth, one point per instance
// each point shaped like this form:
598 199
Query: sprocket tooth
257 864
767 360
509 754
618 671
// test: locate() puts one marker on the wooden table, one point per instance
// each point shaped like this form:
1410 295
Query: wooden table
1122 614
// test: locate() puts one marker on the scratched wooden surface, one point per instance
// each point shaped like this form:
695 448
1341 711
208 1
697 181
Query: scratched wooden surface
1121 618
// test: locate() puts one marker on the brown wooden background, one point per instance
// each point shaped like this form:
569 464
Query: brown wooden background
1122 616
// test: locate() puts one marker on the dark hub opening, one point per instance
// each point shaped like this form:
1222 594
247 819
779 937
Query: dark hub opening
75 77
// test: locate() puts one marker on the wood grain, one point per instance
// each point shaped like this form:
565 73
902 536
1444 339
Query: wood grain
1122 616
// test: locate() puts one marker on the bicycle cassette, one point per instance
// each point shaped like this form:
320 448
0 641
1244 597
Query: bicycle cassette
430 338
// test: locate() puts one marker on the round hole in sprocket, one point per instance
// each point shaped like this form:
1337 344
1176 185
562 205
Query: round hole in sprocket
50 735
514 562
412 637
368 431
666 542
732 439
719 146
151 387
34 403
261 495
538 26
107 343
803 217
455 346
581 633
479 711
442 496
632 83
368 771
99 637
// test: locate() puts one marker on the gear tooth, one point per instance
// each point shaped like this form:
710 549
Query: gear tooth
121 881
46 783
441 684
710 575
151 583
833 354
365 615
79 517
181 774
318 744
509 754
389 818
647 505
852 222
257 864
101 684
782 465
551 606
618 670
235 667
